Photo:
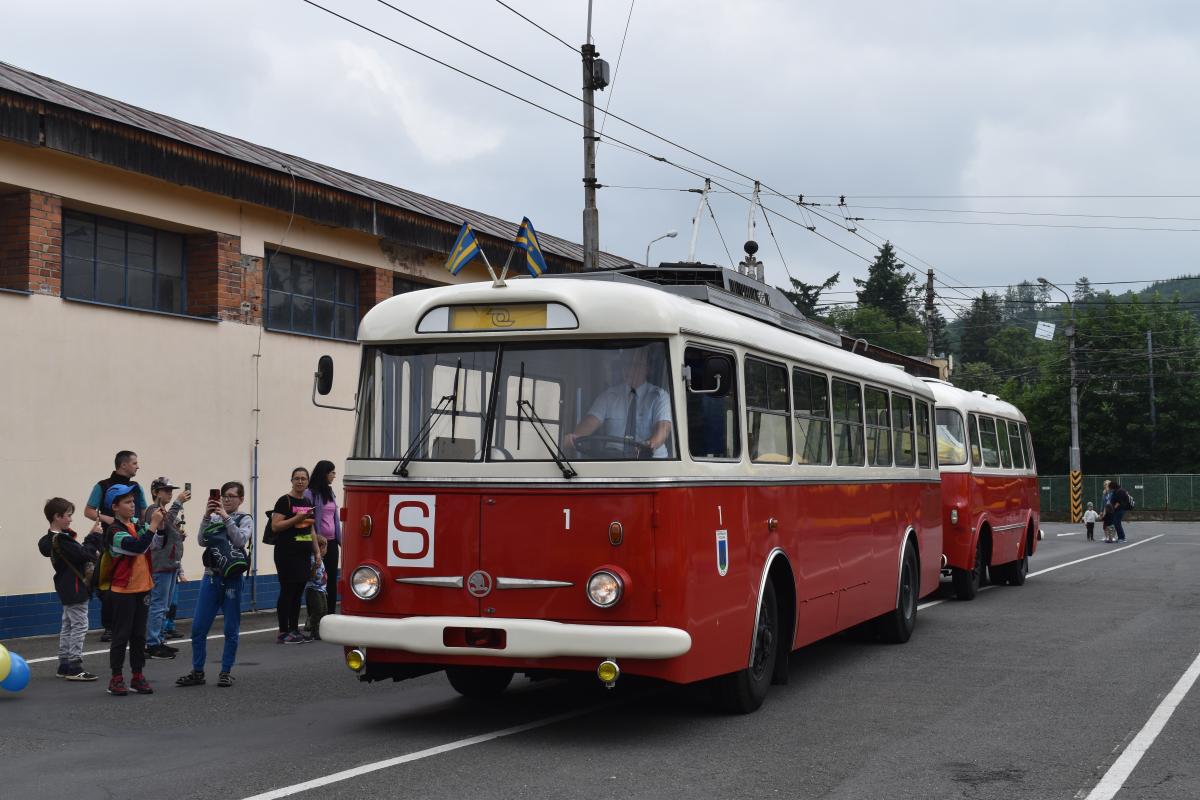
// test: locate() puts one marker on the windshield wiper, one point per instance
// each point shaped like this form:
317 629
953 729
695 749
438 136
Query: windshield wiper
427 424
539 427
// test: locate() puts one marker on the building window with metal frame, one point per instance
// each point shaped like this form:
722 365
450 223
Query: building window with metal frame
123 264
311 297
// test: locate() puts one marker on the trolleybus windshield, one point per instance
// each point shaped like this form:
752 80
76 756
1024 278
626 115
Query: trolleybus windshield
603 401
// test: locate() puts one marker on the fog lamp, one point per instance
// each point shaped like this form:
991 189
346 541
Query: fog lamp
608 672
356 660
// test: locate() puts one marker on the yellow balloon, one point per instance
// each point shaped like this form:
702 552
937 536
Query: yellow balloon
5 662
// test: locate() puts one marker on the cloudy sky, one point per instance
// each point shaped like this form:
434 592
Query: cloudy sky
925 115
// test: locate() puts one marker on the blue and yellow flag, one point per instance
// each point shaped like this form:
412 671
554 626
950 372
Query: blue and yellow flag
465 248
527 240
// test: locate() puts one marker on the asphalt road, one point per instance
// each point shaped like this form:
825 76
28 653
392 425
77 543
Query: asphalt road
1039 691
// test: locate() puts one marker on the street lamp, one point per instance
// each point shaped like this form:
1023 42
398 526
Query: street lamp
667 235
1076 478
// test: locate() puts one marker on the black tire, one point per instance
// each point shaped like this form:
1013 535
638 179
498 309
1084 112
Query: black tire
1000 574
743 691
479 683
1018 571
896 626
967 582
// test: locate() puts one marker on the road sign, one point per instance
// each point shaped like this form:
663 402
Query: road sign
1045 330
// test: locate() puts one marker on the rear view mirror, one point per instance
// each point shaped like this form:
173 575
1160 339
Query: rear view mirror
324 375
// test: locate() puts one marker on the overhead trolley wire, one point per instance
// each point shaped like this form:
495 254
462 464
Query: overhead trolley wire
612 87
557 38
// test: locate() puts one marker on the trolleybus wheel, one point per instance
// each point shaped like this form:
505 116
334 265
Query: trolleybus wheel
897 625
744 691
967 581
479 683
1018 570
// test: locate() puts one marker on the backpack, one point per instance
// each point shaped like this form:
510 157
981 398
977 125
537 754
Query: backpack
44 545
1126 501
101 577
269 535
220 555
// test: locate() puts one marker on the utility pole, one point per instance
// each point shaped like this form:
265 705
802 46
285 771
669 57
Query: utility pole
929 314
1076 480
1153 411
595 77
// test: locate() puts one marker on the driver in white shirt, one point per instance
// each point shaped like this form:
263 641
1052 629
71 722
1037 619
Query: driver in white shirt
650 427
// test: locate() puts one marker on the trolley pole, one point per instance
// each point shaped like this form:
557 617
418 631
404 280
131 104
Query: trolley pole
1153 410
1076 471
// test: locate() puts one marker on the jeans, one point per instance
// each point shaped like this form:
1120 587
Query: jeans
1118 515
331 569
129 628
160 598
74 628
225 595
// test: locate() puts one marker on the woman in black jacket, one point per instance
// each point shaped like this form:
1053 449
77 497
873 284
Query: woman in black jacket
292 521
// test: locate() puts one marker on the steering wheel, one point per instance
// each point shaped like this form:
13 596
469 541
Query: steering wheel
600 446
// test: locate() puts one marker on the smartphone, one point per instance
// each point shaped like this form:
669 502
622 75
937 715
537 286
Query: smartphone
214 494
187 487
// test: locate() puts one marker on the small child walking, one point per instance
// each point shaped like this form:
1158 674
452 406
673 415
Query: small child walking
316 597
1089 519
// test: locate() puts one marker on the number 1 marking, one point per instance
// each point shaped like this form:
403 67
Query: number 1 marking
567 517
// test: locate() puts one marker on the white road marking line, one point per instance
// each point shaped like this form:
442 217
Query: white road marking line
1098 555
375 766
1119 772
1073 533
933 603
187 641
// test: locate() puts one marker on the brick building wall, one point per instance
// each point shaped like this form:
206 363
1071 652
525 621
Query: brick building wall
31 242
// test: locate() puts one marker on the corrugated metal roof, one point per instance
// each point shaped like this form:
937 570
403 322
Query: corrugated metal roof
48 90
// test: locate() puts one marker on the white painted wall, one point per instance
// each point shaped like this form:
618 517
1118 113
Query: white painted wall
74 390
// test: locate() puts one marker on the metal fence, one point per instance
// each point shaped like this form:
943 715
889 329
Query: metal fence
1151 493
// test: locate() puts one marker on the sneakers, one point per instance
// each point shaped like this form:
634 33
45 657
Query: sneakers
160 652
225 680
63 669
294 638
116 686
140 685
106 636
75 672
171 634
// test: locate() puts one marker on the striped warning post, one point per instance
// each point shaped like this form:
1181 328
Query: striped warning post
1076 496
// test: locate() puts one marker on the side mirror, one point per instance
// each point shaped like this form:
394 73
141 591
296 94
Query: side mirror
324 375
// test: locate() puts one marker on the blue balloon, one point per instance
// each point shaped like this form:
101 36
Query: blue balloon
18 674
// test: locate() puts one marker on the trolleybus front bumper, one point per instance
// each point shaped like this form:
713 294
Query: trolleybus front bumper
523 638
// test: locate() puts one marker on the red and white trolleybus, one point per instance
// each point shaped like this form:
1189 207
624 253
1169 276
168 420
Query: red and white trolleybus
598 473
992 509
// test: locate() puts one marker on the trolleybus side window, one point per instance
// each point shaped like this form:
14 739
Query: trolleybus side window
1006 458
903 430
768 430
924 449
879 433
810 391
1030 461
712 416
951 438
973 430
848 423
987 440
1014 441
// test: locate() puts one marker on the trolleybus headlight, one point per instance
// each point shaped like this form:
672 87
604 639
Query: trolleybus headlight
365 582
604 588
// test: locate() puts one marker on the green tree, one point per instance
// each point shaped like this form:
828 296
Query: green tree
889 287
982 321
807 296
874 325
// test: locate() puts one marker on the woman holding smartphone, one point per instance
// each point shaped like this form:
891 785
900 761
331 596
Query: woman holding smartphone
326 522
292 522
